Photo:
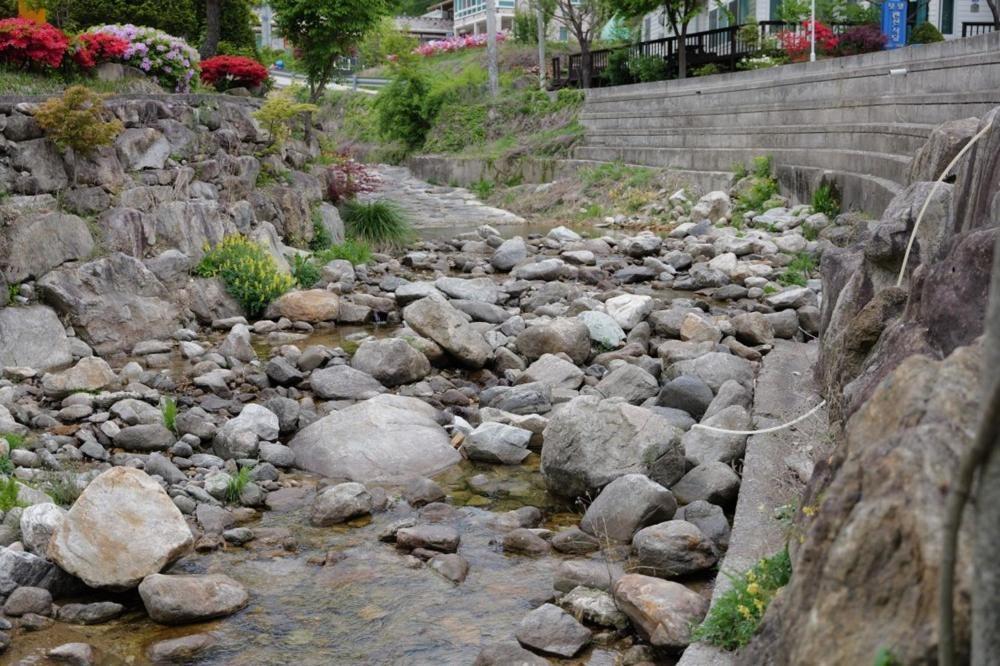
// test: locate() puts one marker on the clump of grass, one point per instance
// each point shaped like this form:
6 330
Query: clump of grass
62 489
381 223
740 170
826 200
321 239
9 490
355 251
168 409
305 272
762 166
885 657
14 440
13 291
737 614
483 188
797 272
617 172
236 485
6 466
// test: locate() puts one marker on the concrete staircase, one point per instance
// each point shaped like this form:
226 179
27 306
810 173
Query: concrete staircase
848 120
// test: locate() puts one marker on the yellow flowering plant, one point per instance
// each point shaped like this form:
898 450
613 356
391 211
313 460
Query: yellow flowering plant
250 274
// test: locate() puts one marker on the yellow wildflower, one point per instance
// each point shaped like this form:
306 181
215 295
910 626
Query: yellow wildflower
744 611
753 589
810 511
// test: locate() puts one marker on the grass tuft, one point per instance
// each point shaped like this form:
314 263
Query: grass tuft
236 485
381 223
355 251
736 615
9 490
797 272
826 200
168 409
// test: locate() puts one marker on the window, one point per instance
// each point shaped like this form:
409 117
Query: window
775 9
947 16
647 29
563 34
713 19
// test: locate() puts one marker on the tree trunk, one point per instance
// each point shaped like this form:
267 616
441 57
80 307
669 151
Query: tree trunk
986 564
540 23
995 8
682 53
491 48
585 64
213 28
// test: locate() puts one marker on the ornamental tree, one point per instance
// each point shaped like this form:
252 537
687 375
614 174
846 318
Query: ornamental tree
324 30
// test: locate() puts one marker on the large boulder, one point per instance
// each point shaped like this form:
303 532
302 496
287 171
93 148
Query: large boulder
626 505
89 374
442 323
142 148
552 630
590 442
182 599
113 302
663 612
386 437
32 245
240 437
342 382
674 548
483 290
392 361
559 335
312 305
189 226
33 337
122 528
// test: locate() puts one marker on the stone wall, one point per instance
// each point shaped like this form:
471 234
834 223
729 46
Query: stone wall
846 119
133 218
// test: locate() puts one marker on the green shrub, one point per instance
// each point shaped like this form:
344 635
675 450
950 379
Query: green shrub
321 235
248 271
648 68
757 196
77 121
826 200
355 251
236 484
740 171
278 111
168 409
14 440
925 33
885 657
6 466
706 70
483 188
762 166
381 223
736 615
9 491
797 272
617 71
401 108
304 271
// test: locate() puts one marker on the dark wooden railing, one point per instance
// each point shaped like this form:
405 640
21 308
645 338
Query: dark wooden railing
979 28
722 46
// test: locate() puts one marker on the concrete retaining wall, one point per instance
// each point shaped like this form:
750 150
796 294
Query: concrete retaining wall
845 119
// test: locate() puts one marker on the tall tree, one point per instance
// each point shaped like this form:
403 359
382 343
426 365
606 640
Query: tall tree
492 67
324 30
678 14
583 19
213 28
995 9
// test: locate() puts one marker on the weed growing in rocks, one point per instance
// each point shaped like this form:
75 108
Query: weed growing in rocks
354 251
13 291
735 617
6 466
236 485
305 272
826 200
885 657
797 272
77 121
249 272
9 490
483 188
62 489
168 409
379 223
14 440
321 239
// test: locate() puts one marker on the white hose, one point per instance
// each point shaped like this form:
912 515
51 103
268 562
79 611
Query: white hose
930 195
765 430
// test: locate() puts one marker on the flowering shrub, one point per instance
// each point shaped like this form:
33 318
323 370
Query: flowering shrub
168 60
347 178
93 48
225 72
250 274
797 44
759 62
457 43
862 39
24 42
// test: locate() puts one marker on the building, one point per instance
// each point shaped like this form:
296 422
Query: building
947 15
265 31
467 17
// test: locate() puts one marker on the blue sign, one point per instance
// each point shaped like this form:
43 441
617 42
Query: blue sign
894 23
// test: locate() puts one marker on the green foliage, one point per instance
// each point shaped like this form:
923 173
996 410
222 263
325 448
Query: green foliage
236 484
9 492
617 71
609 173
323 30
321 235
736 615
62 489
14 440
386 40
885 657
648 68
381 224
740 171
483 188
707 70
401 107
757 196
798 271
248 271
13 291
277 113
304 271
925 33
355 251
177 17
826 200
76 121
168 409
762 166
6 466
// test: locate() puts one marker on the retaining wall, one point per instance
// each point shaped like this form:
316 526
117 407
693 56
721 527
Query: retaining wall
847 120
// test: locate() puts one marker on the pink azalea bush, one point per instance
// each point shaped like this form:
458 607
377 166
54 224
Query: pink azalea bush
166 59
457 43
